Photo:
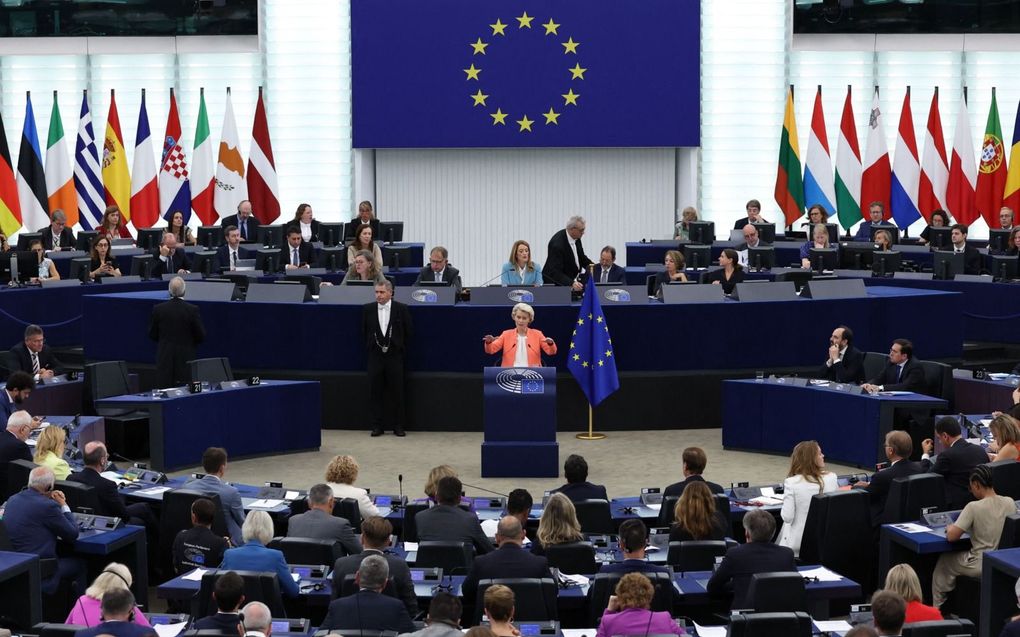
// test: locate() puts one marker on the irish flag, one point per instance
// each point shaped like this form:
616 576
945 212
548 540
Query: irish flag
59 178
789 184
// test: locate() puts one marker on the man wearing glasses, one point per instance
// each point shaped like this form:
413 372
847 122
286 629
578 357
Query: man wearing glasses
439 270
897 449
35 357
57 236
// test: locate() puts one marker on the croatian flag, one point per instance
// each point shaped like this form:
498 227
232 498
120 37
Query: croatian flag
174 187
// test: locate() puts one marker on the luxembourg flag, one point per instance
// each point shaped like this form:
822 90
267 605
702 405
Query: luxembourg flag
174 185
934 167
818 185
906 175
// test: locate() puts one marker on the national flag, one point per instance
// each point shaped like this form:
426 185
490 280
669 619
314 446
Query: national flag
906 170
263 189
31 178
115 170
10 206
202 169
230 187
818 186
991 180
960 191
848 168
591 358
144 188
789 184
59 178
87 181
1011 195
174 185
931 194
875 181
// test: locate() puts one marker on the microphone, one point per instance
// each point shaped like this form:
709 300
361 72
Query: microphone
400 490
489 281
485 490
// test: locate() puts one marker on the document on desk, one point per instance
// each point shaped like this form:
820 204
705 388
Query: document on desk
169 630
152 491
112 475
911 527
291 495
766 501
265 503
410 546
655 506
832 626
195 575
822 574
894 393
710 631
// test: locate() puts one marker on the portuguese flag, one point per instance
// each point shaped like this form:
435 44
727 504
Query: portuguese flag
789 181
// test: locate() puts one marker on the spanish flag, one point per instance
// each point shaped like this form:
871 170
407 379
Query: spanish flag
115 171
789 181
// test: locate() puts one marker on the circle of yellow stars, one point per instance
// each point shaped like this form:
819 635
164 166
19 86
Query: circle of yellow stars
601 360
473 73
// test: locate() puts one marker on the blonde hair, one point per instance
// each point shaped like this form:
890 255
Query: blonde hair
634 591
114 577
689 211
903 581
1006 429
524 308
499 602
802 463
51 439
435 475
342 469
695 510
558 524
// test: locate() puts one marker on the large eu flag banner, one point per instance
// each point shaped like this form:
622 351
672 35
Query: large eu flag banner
525 73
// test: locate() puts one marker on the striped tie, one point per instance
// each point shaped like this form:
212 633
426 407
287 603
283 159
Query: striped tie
35 364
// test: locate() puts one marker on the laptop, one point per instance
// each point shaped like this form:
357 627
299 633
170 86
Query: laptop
939 520
651 495
658 538
244 265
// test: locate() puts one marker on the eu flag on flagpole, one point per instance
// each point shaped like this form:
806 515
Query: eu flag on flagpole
591 359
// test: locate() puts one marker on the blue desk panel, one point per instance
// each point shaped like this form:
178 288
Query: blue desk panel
125 545
999 572
920 550
21 588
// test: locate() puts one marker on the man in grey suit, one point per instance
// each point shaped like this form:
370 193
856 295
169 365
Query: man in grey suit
320 523
448 522
214 463
375 537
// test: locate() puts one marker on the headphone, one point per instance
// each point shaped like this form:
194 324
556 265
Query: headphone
131 614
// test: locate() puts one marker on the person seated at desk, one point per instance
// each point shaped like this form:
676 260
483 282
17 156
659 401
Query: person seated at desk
365 269
369 609
888 611
228 591
365 217
46 269
198 547
448 522
439 270
214 463
341 473
682 232
56 236
902 580
509 560
1005 218
443 619
883 240
693 461
939 219
375 538
876 219
87 611
607 271
628 611
35 519
305 223
171 258
102 263
499 604
696 517
257 620
179 229
1006 431
817 214
577 488
845 363
983 519
252 555
49 451
751 240
753 208
244 221
731 272
320 523
363 240
35 357
520 269
19 387
518 504
757 555
898 448
633 537
558 524
956 463
112 225
96 458
1012 629
119 615
674 272
807 477
819 241
12 443
565 261
1013 245
229 253
522 346
436 474
902 373
972 259
296 254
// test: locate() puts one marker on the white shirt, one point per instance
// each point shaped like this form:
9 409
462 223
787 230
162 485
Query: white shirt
384 317
233 257
573 249
842 353
306 231
797 495
521 357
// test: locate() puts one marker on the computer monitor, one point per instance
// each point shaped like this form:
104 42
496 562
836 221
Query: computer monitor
761 258
204 261
947 264
998 240
26 238
331 234
84 240
1004 267
702 232
766 232
823 259
27 262
894 232
209 237
267 259
80 268
359 282
150 238
310 281
833 232
332 258
396 257
940 238
886 263
270 236
142 265
390 231
856 255
698 256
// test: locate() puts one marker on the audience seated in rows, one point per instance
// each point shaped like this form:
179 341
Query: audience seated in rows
577 488
199 547
694 461
369 609
758 555
254 555
375 538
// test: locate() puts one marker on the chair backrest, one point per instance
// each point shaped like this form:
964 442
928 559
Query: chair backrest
5 538
833 530
212 370
534 598
258 587
874 363
698 555
572 558
55 630
8 364
594 516
908 495
1010 537
777 593
410 529
105 379
938 380
354 632
78 495
1006 477
758 624
604 585
305 550
16 476
176 516
347 508
940 628
667 509
447 555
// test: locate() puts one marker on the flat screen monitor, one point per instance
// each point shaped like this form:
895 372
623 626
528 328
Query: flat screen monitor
332 258
946 264
390 231
823 259
1004 267
698 256
360 282
84 240
886 263
150 238
702 232
940 238
766 232
28 264
894 232
331 234
79 268
204 261
799 277
270 236
310 281
998 240
396 257
142 265
833 232
761 258
267 259
209 237
856 255
26 238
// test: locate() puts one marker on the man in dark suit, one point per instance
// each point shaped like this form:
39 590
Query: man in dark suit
577 488
607 271
258 620
369 609
365 217
902 373
757 555
753 208
199 547
375 538
845 363
111 502
228 254
956 462
214 463
876 219
509 560
439 269
35 357
19 388
386 329
58 229
898 447
296 254
565 261
320 523
448 522
170 257
694 462
633 539
118 607
244 221
177 328
972 260
12 447
229 595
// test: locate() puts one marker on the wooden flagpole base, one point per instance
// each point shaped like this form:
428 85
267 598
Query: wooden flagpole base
590 435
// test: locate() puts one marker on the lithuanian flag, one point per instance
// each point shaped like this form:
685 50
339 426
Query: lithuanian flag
789 180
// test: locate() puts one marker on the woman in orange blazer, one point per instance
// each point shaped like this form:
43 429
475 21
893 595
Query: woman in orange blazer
509 341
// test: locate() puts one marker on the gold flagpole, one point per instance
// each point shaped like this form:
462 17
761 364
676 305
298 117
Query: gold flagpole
590 435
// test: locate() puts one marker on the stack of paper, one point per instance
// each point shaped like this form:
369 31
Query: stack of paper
152 491
169 630
265 503
195 575
822 574
766 501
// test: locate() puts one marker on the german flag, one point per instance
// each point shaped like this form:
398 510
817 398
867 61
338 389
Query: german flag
10 207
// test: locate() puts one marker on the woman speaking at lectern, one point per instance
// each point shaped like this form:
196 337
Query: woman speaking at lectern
521 346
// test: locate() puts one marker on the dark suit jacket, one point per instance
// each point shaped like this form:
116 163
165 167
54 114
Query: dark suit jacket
559 261
450 523
848 370
177 328
118 629
509 560
65 240
368 610
955 464
350 230
400 576
677 488
10 449
864 230
225 622
743 561
223 256
451 275
6 409
973 262
633 566
400 330
306 255
911 379
881 482
727 284
34 523
46 359
578 491
179 260
110 500
616 274
251 222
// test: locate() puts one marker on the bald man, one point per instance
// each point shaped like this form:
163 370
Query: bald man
509 560
111 502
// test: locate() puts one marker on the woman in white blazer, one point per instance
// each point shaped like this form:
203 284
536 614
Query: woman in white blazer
340 476
807 478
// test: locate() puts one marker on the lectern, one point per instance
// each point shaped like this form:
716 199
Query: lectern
520 423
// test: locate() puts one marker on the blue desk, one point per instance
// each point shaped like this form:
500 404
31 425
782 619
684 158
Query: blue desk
55 396
972 396
21 588
999 572
89 428
271 418
920 550
771 416
125 545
